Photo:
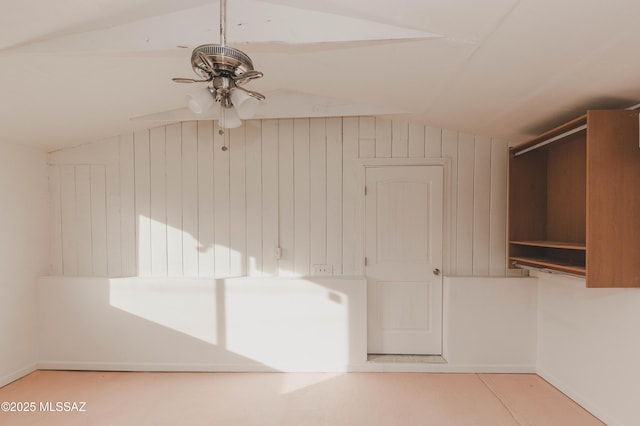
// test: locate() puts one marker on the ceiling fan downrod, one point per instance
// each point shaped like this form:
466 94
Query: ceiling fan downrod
223 22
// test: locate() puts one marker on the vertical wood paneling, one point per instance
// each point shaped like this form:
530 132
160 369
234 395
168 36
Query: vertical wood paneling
128 222
254 196
238 203
206 238
433 142
383 138
158 194
55 222
114 228
174 200
450 151
481 205
400 139
190 207
367 127
142 170
98 195
367 148
171 202
301 187
464 219
221 202
350 197
416 141
69 221
334 194
83 217
269 197
318 176
367 137
286 263
498 219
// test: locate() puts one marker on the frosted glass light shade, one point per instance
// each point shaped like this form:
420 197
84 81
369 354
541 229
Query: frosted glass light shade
199 102
246 105
229 118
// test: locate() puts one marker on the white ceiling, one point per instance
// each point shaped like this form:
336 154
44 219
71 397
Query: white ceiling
74 71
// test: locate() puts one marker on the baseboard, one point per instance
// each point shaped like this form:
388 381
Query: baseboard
579 399
232 368
390 367
149 366
12 377
184 367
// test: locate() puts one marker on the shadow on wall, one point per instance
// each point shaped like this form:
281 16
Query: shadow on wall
269 206
168 201
238 324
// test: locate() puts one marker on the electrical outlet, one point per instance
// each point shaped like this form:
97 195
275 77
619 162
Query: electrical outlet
322 270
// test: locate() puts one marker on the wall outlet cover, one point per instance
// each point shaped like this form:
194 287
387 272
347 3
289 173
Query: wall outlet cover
320 270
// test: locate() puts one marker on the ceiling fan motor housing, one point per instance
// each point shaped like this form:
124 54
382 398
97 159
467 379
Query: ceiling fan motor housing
226 60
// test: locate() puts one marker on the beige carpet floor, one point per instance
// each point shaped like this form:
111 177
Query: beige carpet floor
111 398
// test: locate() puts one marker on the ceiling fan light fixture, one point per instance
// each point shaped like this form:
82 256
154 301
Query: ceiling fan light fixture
229 118
246 105
200 101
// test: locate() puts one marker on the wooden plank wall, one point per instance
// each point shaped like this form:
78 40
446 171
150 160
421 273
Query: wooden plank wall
168 201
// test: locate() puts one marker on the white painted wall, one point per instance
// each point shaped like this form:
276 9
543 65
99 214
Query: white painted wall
168 202
589 346
268 324
491 322
23 255
237 324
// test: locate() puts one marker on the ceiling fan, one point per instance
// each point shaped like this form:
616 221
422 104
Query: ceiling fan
227 69
285 29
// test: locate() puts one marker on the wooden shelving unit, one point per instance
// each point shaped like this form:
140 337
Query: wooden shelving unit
574 200
550 264
549 255
551 244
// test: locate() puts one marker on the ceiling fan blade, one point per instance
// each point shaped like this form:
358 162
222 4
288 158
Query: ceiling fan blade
256 95
249 75
206 65
188 80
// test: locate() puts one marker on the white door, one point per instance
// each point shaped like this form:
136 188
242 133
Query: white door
403 249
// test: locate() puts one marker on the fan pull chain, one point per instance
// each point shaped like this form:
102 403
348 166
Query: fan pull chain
225 136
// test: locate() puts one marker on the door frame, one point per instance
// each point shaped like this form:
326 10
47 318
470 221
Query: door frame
445 163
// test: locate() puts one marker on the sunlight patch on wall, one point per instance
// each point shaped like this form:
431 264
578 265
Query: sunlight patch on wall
189 307
284 324
309 320
166 250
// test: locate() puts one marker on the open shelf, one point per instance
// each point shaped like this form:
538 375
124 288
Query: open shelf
586 168
552 244
546 263
559 256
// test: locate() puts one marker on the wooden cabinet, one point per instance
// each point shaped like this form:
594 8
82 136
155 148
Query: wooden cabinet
574 199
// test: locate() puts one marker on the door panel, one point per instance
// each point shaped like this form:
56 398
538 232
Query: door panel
402 236
403 246
396 315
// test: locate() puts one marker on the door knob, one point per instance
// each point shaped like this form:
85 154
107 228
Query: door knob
436 271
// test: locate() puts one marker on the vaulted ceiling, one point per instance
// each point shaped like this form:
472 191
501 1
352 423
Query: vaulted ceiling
74 71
